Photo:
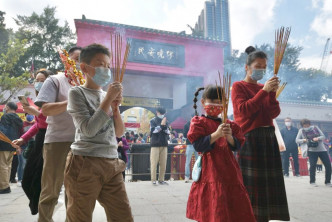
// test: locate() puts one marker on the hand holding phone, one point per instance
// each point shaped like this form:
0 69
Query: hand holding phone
23 100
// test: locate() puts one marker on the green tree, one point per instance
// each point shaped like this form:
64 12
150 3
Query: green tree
44 35
9 84
4 34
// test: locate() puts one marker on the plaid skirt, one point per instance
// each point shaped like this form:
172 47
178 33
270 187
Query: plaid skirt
260 163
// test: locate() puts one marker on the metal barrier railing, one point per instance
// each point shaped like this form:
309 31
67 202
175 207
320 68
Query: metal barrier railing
174 163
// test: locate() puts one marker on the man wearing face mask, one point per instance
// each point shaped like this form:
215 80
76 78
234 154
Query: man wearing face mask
11 125
159 145
289 134
52 98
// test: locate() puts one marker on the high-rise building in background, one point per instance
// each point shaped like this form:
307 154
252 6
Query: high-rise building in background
214 22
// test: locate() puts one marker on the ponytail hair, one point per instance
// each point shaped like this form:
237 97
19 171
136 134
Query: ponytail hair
195 99
210 92
254 54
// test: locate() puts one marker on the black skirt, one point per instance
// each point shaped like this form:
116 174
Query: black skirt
260 162
31 182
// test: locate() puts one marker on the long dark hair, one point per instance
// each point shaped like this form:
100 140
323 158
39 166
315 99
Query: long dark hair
210 92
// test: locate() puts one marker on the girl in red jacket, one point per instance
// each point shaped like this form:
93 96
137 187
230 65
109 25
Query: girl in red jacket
255 106
219 195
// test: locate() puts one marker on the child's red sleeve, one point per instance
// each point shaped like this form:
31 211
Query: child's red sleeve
197 129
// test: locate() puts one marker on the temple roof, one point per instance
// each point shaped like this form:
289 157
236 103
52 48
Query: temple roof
138 28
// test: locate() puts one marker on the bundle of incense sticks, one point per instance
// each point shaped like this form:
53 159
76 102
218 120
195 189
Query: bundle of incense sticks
225 84
70 64
4 138
118 64
281 39
280 89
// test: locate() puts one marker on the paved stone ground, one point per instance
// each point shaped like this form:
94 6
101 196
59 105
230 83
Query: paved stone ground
168 203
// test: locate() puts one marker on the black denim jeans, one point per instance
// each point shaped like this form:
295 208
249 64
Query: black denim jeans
313 157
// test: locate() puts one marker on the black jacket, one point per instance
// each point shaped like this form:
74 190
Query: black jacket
185 132
289 137
12 126
159 134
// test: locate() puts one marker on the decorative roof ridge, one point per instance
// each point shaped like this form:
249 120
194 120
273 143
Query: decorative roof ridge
111 24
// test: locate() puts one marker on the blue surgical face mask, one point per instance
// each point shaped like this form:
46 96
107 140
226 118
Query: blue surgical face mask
4 110
38 86
258 74
30 118
103 76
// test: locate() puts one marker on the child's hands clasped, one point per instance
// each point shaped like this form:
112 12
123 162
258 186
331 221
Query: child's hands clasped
224 130
227 130
114 91
114 95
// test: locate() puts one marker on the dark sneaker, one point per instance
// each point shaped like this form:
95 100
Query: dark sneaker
7 190
286 175
13 181
328 184
162 183
298 175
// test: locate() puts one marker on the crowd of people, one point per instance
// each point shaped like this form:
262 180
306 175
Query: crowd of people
77 137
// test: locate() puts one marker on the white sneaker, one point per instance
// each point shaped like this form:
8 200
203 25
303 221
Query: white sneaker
19 183
314 184
328 184
154 183
186 179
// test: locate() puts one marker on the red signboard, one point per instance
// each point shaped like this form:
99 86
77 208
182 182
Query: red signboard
132 125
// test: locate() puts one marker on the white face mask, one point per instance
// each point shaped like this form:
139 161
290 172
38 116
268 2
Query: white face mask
160 116
288 124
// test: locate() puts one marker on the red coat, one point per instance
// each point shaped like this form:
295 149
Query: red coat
219 195
253 107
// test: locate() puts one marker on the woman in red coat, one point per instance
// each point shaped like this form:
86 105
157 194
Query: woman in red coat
255 106
219 195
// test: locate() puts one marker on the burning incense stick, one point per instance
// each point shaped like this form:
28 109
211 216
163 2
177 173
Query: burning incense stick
226 90
281 39
219 94
118 65
280 89
225 84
